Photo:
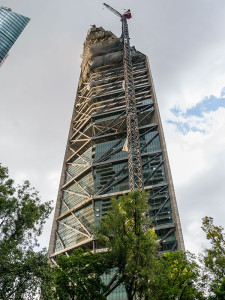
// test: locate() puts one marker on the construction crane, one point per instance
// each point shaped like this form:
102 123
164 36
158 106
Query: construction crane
134 152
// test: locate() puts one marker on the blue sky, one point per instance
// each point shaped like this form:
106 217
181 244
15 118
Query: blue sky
184 122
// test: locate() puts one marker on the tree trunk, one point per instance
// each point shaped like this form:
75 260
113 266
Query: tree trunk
129 292
129 296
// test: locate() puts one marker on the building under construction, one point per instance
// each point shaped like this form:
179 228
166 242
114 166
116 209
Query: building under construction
115 145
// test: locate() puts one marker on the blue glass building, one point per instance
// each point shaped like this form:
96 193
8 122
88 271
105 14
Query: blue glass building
11 26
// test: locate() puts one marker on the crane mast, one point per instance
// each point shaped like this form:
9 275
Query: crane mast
134 152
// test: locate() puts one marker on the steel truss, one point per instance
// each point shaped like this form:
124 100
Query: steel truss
134 153
106 113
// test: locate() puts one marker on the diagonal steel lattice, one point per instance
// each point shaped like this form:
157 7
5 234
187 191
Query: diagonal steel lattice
134 153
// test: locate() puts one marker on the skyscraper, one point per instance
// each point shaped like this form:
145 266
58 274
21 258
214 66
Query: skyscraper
11 26
95 167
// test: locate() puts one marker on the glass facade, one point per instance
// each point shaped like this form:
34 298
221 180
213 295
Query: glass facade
96 161
11 26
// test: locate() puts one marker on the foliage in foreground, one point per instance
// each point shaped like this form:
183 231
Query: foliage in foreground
133 247
213 259
132 244
78 276
22 216
132 251
177 274
133 256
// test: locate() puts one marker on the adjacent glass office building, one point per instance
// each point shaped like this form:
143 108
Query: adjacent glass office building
11 26
95 167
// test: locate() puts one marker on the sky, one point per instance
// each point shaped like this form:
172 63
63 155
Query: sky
185 43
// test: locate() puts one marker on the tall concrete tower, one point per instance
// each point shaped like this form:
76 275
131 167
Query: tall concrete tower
96 166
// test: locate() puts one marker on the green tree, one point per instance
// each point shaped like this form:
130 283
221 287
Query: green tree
214 258
132 245
78 276
219 290
22 216
176 277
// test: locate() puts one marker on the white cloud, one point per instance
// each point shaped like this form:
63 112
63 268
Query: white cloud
197 161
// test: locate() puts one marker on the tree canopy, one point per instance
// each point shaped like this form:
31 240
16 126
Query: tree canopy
22 216
78 276
214 258
176 276
131 243
131 254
